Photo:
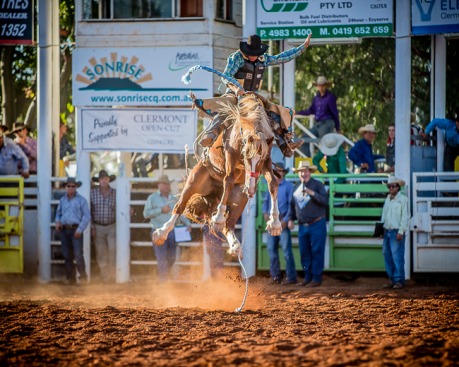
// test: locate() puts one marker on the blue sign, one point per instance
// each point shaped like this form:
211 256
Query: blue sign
434 16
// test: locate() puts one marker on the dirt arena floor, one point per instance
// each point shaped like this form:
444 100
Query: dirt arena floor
142 324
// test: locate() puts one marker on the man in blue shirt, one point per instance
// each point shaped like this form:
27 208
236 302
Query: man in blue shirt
361 154
284 197
247 66
451 129
72 218
325 112
11 155
308 207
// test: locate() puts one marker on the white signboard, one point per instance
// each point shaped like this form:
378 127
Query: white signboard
139 76
281 19
434 16
138 130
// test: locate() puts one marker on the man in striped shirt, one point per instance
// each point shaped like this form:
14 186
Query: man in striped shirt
103 229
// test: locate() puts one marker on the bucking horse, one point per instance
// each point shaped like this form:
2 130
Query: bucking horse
217 189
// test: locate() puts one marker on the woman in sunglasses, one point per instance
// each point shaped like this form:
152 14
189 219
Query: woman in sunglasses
395 218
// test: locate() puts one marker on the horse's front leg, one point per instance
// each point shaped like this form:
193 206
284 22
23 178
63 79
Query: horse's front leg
160 235
274 225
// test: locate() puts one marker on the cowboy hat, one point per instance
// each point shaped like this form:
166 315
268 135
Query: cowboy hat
303 165
103 173
4 129
1 134
369 128
321 80
330 143
253 46
164 179
280 166
395 180
18 126
72 180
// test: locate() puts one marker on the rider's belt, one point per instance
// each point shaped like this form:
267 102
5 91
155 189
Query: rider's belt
70 226
104 224
312 221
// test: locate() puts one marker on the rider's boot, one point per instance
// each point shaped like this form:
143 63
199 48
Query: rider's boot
212 131
286 144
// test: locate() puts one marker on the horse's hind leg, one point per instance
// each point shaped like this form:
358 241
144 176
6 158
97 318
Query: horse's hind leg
197 180
160 235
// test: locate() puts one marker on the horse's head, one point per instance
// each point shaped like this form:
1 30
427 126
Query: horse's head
253 133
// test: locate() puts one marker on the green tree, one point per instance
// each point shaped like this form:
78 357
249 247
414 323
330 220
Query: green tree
18 73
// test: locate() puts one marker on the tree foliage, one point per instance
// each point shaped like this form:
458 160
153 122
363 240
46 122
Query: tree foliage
18 73
363 77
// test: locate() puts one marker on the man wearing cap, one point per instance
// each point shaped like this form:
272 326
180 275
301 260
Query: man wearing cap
308 207
395 218
11 156
72 218
361 154
451 129
331 148
158 208
27 144
103 228
247 66
284 197
325 111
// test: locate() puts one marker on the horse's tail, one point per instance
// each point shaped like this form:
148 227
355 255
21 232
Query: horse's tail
186 78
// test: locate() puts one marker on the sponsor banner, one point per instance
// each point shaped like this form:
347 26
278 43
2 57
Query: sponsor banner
139 76
434 16
16 22
138 130
282 19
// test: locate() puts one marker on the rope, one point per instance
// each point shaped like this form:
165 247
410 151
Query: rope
239 309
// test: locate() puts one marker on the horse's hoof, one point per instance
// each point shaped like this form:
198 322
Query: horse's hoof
157 239
234 250
275 231
218 227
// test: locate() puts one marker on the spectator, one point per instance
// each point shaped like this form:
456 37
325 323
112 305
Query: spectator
11 156
451 129
103 229
390 149
308 208
27 144
72 218
331 148
158 209
395 218
325 112
284 198
66 149
361 154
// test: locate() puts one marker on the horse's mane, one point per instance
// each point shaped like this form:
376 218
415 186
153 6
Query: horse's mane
251 123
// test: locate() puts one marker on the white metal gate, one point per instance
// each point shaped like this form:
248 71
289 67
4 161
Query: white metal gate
435 222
